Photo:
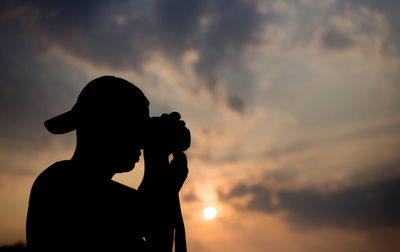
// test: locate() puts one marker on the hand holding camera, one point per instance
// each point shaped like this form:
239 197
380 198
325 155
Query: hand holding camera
167 134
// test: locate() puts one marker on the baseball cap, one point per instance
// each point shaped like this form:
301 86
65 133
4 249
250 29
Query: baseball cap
101 97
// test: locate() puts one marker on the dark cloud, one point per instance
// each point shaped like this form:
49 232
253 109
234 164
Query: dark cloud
232 25
333 39
123 34
177 23
365 206
190 197
236 103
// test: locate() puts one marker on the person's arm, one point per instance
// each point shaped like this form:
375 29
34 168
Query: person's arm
179 169
162 181
157 192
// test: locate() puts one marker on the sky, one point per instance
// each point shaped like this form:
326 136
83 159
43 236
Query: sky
293 106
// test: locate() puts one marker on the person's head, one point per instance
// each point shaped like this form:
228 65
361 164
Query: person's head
109 118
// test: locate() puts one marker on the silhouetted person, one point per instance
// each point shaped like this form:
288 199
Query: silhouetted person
75 204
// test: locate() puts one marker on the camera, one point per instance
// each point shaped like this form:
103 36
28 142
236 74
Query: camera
167 133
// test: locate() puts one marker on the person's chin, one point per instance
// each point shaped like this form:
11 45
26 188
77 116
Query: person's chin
126 167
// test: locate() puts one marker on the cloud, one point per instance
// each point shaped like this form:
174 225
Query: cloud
383 129
345 156
367 206
125 35
335 39
190 197
389 9
236 103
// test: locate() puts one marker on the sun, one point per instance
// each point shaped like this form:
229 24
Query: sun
210 212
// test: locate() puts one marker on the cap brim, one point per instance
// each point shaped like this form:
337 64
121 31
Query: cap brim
61 124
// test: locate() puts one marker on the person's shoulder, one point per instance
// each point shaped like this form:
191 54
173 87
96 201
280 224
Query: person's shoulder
58 169
54 174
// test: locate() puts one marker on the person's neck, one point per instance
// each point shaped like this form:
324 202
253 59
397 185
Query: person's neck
92 166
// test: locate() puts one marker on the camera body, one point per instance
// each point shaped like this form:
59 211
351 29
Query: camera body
167 133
